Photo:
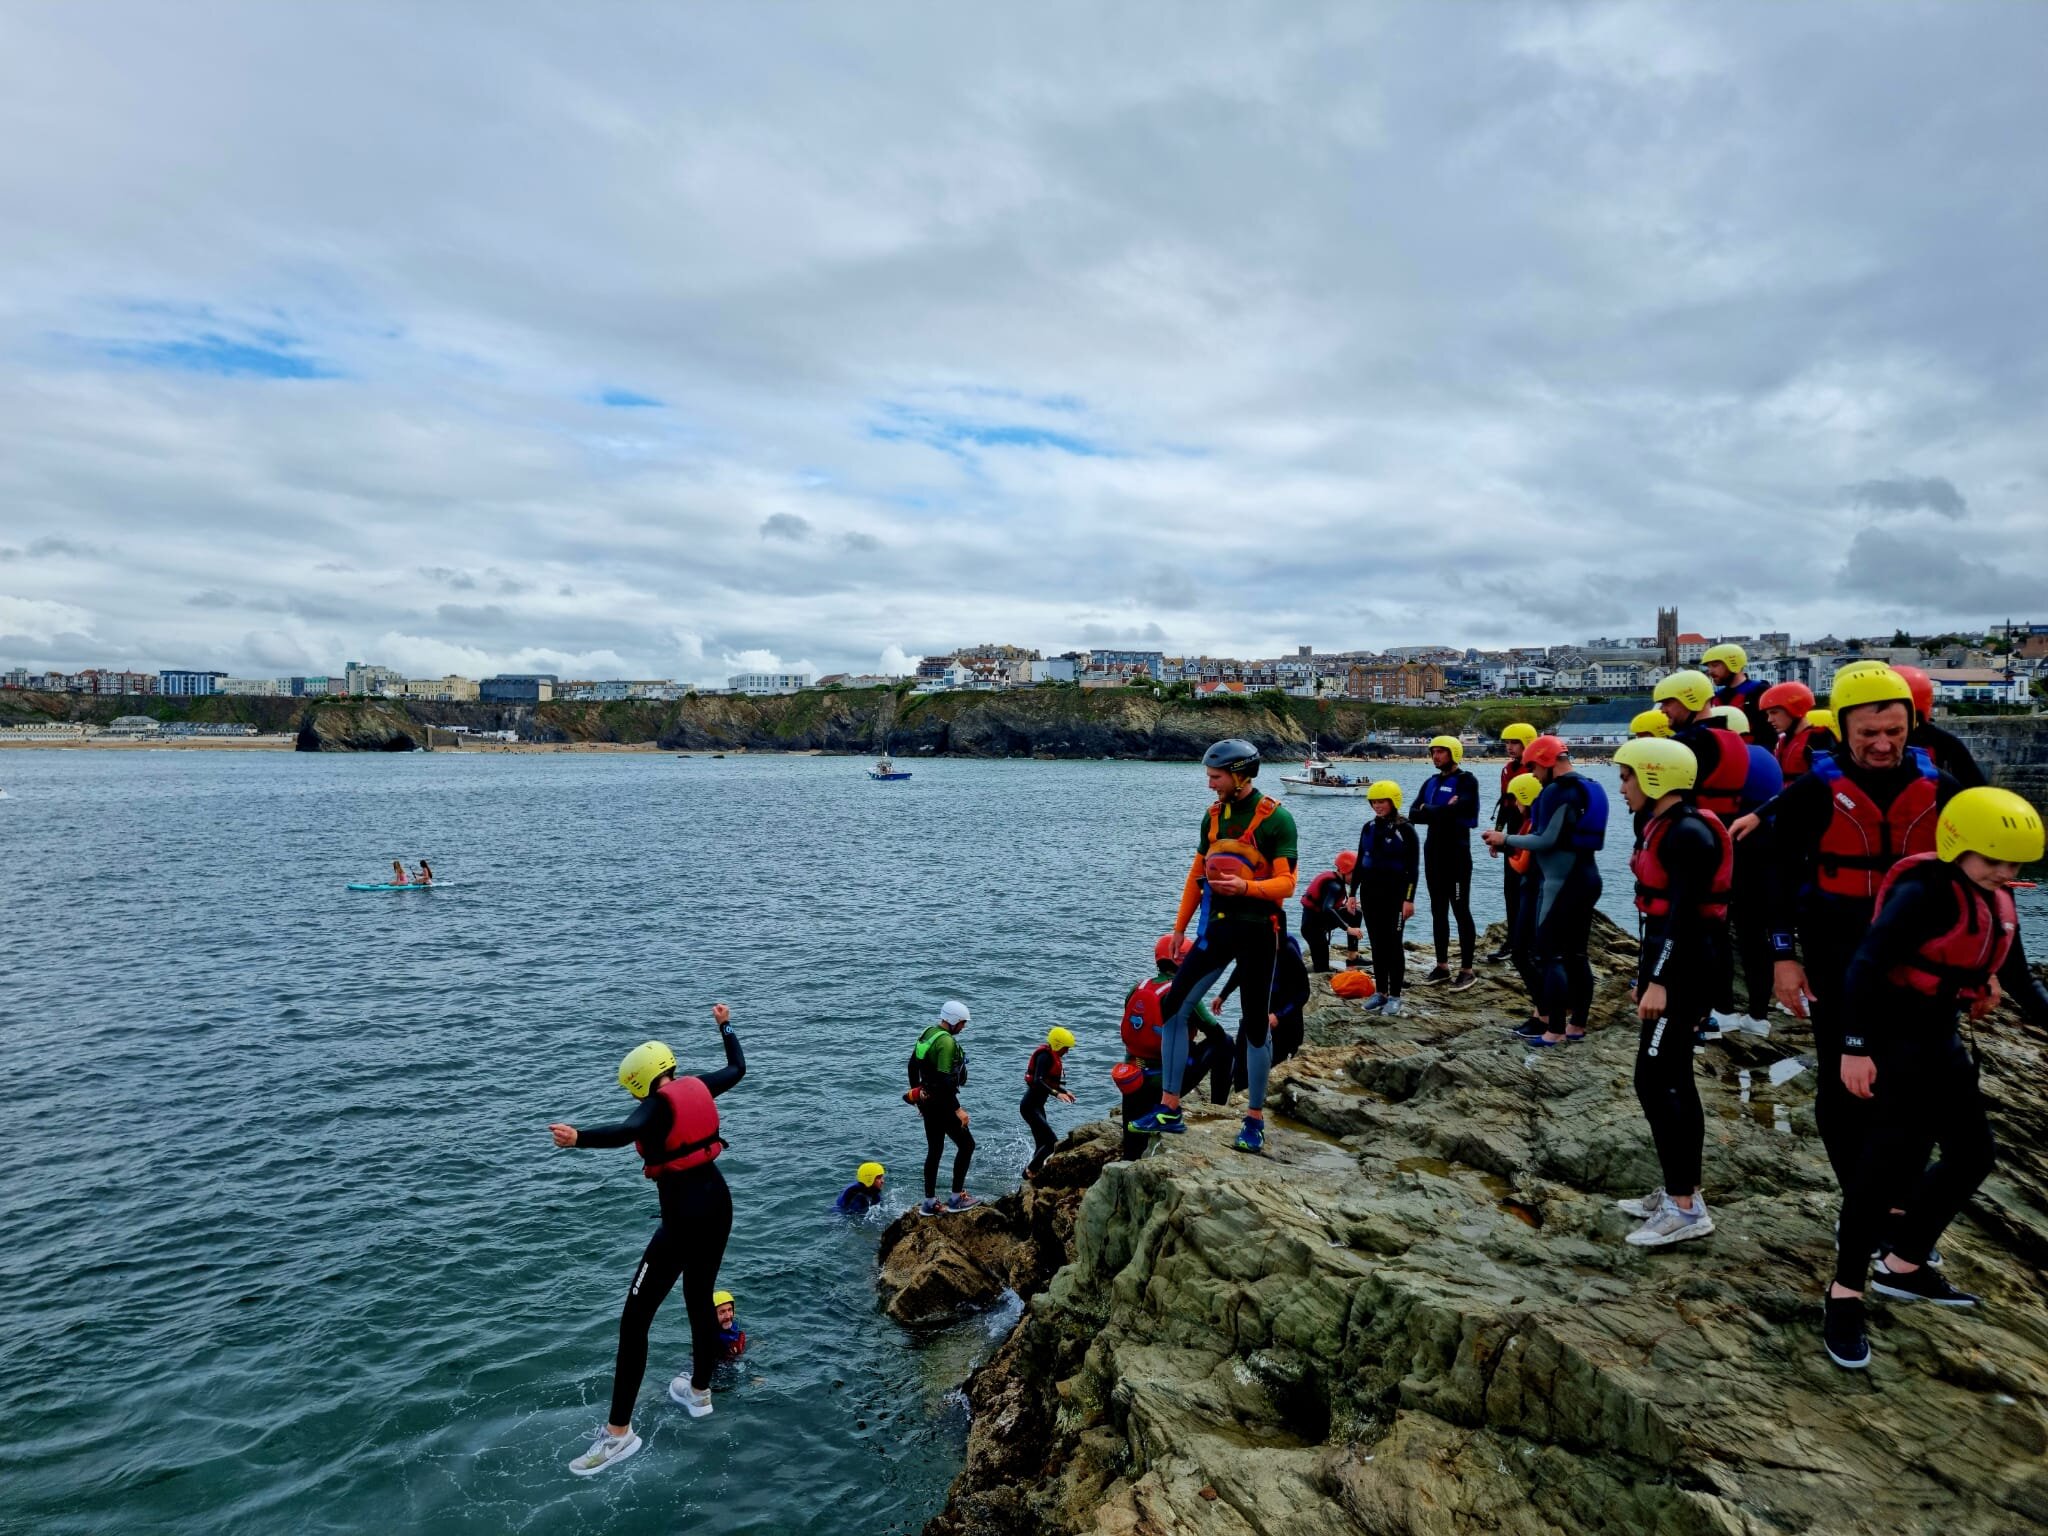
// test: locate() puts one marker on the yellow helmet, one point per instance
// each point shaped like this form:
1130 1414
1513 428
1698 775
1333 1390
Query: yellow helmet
1994 822
1659 766
1384 789
1651 722
1730 655
643 1064
1060 1038
721 1298
1821 720
1450 744
1519 731
1877 684
1851 668
867 1173
1730 718
1695 690
1525 787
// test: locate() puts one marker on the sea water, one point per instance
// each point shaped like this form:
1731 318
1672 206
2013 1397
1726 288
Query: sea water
287 1245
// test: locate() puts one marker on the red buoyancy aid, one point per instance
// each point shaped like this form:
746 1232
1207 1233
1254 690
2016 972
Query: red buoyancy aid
1313 896
1653 881
1224 854
693 1138
1054 1072
1721 790
1791 751
1861 842
1143 1019
1975 946
1508 772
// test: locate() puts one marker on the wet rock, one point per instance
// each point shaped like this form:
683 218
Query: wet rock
1416 1313
359 725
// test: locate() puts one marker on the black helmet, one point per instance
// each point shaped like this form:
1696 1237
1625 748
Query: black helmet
1233 756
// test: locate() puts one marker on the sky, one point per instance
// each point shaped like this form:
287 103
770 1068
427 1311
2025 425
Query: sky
619 340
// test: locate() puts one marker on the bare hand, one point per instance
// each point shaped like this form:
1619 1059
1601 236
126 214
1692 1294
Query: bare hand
1990 1000
1354 934
721 1015
565 1135
1181 946
1493 837
1228 885
1407 910
1742 826
1788 986
1859 1075
1065 1097
963 1117
1651 1004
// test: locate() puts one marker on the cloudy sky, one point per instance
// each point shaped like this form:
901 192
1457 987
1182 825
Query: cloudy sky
649 340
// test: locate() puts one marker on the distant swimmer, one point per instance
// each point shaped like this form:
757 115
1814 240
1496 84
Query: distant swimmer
1044 1078
675 1128
732 1338
938 1071
864 1193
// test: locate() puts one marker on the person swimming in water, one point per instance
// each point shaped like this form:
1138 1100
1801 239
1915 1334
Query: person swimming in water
732 1338
864 1193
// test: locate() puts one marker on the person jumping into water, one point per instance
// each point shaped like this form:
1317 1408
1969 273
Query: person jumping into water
675 1128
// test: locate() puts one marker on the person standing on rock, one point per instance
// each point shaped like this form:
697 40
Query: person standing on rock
1569 822
1291 992
1521 934
1836 832
1506 812
1238 884
1045 1078
1684 869
1384 879
1945 936
675 1128
938 1071
1448 804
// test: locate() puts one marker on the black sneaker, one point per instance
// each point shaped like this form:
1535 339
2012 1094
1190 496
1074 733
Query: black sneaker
1499 957
1531 1029
1437 976
1921 1284
1842 1332
1466 981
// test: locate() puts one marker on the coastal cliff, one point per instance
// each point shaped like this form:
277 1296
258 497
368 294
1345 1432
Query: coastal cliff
1416 1312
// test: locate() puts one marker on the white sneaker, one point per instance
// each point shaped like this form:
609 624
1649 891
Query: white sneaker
1644 1208
1672 1225
696 1404
606 1450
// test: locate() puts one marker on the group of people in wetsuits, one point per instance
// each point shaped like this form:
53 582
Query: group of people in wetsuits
1855 868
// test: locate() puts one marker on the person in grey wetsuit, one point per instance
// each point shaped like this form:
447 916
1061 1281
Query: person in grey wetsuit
1569 826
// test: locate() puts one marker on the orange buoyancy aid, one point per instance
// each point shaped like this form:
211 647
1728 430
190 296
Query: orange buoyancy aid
1861 841
1791 751
1721 790
1312 897
1055 1070
1970 953
1238 855
693 1140
1653 880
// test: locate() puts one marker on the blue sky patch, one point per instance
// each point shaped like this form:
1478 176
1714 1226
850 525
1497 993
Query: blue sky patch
961 435
628 400
264 354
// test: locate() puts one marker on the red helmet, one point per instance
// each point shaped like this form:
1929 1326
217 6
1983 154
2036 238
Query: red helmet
1163 950
1923 690
1128 1076
1796 699
1347 861
1544 752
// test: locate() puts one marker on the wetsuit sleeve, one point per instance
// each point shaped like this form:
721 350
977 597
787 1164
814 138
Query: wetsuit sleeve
628 1130
1041 1071
1797 819
1190 897
1553 832
1914 911
1357 881
1690 853
734 1069
1277 886
2019 982
1411 855
1465 809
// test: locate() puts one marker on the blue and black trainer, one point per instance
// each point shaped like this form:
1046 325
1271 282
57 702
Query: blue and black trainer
1253 1137
1157 1122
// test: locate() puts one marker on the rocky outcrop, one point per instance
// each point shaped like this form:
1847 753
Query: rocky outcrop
1416 1312
360 725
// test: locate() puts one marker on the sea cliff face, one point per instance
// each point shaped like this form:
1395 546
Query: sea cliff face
1416 1312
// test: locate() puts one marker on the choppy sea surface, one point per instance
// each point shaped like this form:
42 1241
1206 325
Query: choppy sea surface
287 1246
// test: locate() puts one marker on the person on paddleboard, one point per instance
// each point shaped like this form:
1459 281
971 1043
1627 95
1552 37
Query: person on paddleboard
426 874
398 874
675 1128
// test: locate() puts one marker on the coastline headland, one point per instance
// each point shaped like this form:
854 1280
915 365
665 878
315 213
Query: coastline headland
1416 1313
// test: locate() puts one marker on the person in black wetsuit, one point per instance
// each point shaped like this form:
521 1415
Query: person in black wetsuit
1726 666
675 1127
1836 832
1949 754
1383 879
1946 935
1507 814
938 1071
1448 805
1684 868
1044 1078
1327 908
1570 826
1291 991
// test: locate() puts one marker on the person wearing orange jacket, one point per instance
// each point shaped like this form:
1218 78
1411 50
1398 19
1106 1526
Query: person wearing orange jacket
1236 890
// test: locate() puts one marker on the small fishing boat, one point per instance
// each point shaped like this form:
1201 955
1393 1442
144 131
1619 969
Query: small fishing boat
1316 778
886 772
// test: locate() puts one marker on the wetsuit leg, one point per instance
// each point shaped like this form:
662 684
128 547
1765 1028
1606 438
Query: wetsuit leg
963 1141
1383 930
1669 1095
1889 1158
659 1269
1042 1139
1201 970
1315 930
1136 1106
1946 1097
701 1208
1257 948
1460 890
1440 876
1522 949
1581 1000
1843 1120
1751 929
934 1152
1511 898
1561 936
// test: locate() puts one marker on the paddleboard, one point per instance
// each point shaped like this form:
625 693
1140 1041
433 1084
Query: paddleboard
416 885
